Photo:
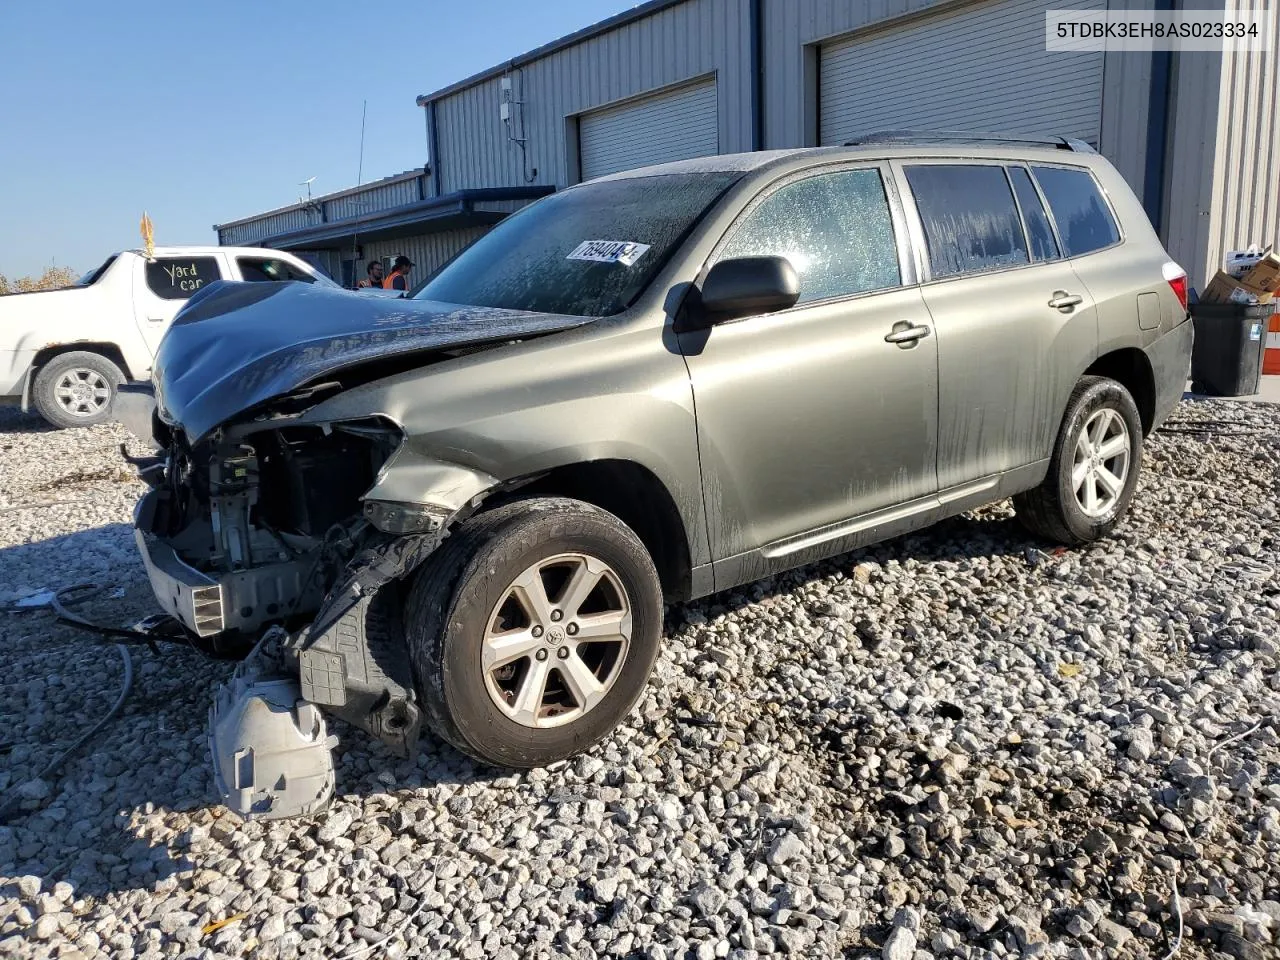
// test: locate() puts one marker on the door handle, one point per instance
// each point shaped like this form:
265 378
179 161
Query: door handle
905 334
1065 301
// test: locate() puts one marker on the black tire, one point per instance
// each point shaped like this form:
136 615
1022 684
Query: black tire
91 369
1052 510
456 593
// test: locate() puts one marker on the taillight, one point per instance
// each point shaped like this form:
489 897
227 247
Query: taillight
1177 278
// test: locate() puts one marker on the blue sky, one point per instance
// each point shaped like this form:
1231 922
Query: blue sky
202 113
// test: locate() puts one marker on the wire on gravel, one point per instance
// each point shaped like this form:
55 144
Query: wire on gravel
83 592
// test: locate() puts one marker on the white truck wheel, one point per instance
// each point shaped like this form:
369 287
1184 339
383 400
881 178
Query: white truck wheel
76 389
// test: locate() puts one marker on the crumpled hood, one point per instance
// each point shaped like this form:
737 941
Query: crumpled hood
236 345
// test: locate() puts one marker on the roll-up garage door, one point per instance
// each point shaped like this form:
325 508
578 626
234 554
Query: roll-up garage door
982 67
673 125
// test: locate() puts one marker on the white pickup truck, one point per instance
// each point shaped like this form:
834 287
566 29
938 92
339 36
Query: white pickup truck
66 351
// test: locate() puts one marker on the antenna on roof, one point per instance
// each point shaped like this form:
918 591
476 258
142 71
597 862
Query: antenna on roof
355 234
364 113
307 183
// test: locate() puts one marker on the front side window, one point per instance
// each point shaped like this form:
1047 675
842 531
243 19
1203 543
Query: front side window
269 270
177 278
971 224
1043 245
1084 222
586 252
835 229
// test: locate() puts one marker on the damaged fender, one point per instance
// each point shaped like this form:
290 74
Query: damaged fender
353 659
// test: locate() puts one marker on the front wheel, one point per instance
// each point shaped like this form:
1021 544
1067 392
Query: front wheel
1094 467
533 631
76 389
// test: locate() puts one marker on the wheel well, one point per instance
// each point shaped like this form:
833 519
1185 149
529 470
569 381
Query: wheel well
636 497
1131 368
108 350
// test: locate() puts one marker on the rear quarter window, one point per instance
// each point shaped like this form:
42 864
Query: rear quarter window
1084 220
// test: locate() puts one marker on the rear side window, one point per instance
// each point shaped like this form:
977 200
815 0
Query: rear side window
1039 232
1084 222
834 228
971 224
177 278
270 270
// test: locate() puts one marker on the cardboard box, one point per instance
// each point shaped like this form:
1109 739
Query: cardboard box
1224 288
1265 274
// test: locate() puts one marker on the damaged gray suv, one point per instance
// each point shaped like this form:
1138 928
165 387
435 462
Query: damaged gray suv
466 510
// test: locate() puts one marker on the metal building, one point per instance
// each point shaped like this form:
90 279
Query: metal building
1195 134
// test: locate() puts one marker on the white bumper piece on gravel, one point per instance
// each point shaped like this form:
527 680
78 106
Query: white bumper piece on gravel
272 753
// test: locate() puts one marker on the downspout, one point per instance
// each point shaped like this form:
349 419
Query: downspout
433 144
755 18
1158 107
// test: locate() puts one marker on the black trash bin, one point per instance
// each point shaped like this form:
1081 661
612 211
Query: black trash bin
1230 340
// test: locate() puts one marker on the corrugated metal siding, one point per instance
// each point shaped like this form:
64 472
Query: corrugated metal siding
1192 160
674 125
789 25
247 234
671 46
981 67
381 194
428 252
1126 109
1247 185
373 199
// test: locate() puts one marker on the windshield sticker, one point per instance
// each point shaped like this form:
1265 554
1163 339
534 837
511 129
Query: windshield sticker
624 252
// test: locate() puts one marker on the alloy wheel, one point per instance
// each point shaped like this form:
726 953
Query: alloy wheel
1101 462
555 643
82 392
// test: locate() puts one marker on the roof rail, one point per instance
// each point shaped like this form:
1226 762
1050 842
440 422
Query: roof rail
925 136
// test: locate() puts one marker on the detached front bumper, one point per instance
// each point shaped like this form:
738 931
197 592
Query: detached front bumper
245 600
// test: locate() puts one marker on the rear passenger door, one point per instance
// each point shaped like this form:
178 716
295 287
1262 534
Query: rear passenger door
1015 325
162 285
810 416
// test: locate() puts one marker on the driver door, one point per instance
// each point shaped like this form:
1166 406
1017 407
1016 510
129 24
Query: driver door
818 422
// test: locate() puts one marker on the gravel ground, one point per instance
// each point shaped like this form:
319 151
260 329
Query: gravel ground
958 744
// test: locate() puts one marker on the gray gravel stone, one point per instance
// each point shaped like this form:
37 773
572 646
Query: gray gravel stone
901 945
947 727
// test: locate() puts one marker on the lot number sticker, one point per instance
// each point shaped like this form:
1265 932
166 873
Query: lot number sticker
624 252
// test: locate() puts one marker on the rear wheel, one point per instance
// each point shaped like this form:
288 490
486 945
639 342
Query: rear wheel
1094 467
76 389
533 631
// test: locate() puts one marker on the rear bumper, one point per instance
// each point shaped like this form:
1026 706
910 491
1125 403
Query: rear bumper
1170 358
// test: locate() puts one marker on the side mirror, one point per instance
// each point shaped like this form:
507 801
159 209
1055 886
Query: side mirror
745 286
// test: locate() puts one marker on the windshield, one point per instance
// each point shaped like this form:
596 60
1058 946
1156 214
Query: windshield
587 252
92 277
